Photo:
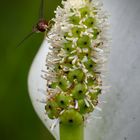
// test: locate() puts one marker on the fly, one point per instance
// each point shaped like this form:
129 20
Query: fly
41 26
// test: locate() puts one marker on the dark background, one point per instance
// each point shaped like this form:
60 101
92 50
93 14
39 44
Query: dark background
18 120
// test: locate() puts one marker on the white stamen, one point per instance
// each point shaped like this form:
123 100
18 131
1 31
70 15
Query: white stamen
76 104
43 101
86 102
41 91
56 122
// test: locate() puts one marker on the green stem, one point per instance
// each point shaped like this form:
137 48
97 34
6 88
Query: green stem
71 132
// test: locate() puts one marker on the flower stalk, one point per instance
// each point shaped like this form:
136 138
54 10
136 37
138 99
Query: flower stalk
71 133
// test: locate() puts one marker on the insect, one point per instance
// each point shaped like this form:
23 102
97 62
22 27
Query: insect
41 26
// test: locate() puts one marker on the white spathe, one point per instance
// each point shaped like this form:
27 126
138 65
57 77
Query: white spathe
121 114
37 86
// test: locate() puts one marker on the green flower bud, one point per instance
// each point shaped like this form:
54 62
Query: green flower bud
71 117
67 63
84 42
84 11
91 82
57 67
90 22
76 75
53 85
68 47
63 100
79 91
96 33
66 35
90 64
81 55
76 31
83 108
52 109
85 52
94 95
62 83
74 20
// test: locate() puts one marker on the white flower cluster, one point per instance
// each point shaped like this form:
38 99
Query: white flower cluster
77 56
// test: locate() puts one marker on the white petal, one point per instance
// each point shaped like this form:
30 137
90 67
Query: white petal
36 83
120 115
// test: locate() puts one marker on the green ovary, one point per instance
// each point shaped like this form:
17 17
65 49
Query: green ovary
63 100
84 11
74 20
83 107
84 42
79 91
77 75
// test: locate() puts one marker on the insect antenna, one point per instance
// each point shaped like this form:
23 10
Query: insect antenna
25 38
42 10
